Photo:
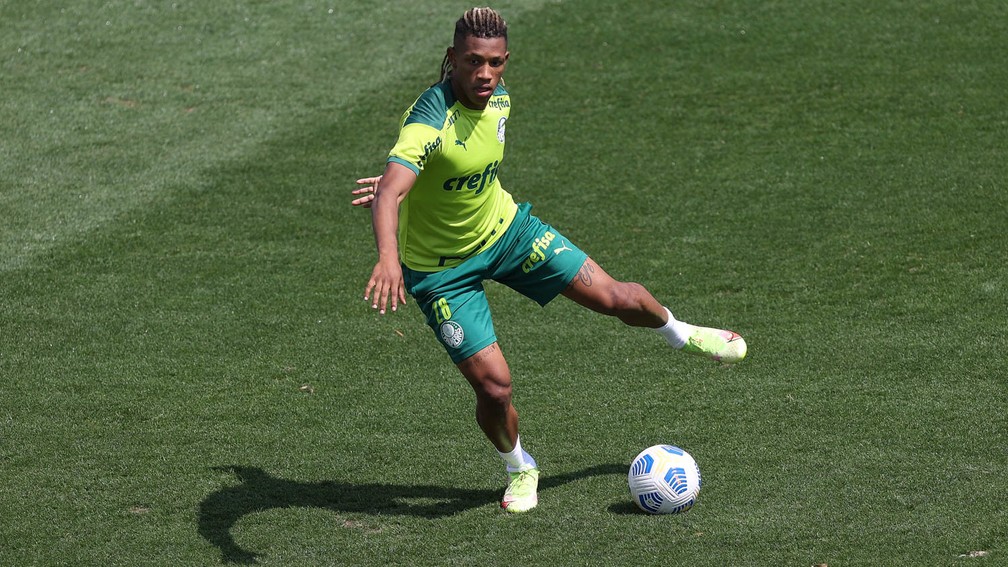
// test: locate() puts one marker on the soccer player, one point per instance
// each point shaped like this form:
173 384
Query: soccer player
443 224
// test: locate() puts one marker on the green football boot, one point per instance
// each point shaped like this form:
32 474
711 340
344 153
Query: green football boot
717 344
520 495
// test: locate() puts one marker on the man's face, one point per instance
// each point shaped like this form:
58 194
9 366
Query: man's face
477 67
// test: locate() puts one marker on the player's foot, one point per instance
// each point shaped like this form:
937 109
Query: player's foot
718 344
520 495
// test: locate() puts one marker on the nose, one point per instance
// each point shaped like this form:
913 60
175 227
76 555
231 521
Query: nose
484 71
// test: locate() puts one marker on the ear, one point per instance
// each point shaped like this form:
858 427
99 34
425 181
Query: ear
450 54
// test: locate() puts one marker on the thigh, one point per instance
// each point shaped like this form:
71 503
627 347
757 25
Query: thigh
592 287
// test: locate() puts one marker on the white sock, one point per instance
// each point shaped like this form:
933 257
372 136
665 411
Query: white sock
676 332
518 459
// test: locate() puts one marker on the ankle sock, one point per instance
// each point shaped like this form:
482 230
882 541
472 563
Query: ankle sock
517 459
676 332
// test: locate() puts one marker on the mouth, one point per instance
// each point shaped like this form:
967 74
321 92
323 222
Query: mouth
484 91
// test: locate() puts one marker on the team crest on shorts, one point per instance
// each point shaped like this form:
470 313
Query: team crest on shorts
452 333
500 129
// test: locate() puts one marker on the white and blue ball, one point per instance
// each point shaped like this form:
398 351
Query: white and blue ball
664 479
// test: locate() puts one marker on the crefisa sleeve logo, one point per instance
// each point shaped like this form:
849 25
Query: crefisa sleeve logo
500 129
452 334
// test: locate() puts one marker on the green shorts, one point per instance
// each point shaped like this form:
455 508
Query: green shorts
531 257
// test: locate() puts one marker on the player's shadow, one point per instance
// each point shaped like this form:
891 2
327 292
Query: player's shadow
258 492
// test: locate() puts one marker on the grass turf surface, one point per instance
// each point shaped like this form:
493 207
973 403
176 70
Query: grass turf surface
190 376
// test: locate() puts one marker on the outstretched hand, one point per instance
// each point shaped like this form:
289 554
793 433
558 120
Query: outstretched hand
366 190
386 285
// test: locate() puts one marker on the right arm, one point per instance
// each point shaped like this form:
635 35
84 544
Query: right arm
387 283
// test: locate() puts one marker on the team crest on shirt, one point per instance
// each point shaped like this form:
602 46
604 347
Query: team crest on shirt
452 334
500 129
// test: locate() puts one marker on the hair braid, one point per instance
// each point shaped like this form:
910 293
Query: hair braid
483 23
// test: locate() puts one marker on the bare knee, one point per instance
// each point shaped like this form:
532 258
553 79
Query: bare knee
494 391
489 376
494 394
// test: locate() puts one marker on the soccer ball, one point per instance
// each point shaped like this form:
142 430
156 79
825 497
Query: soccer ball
664 480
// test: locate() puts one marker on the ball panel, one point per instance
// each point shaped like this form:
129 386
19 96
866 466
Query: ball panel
651 502
642 465
675 479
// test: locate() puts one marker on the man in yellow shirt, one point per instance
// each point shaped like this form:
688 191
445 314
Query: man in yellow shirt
444 224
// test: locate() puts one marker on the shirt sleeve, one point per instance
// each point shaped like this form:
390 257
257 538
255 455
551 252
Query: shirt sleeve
416 143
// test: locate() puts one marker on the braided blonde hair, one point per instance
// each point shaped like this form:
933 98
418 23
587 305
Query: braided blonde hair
476 22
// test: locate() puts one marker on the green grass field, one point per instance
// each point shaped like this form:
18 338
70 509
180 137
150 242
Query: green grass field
190 376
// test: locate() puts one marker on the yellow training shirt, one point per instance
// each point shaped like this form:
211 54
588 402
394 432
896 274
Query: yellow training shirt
457 206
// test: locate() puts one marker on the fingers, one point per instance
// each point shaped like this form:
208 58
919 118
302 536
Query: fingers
380 293
367 292
368 186
364 201
380 297
398 297
402 297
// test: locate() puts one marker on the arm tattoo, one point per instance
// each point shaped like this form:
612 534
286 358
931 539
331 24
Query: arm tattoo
585 274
